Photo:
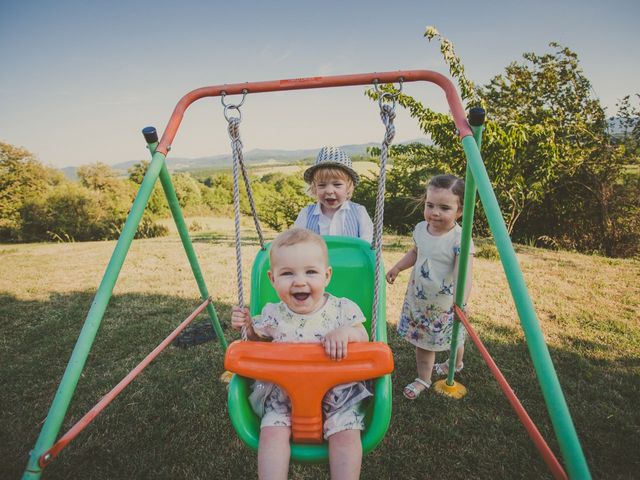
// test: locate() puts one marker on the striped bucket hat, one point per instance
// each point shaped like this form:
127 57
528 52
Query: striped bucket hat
332 157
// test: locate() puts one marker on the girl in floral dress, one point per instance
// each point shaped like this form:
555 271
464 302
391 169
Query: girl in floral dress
426 320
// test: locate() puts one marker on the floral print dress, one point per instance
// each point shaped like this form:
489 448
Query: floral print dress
426 320
341 406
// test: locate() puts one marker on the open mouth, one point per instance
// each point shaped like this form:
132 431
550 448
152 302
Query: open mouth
301 297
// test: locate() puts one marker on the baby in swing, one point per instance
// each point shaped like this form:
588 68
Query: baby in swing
299 273
332 180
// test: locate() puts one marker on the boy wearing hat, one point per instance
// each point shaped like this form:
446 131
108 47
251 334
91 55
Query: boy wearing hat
332 180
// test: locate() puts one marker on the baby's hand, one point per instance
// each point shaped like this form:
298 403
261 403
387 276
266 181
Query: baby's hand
240 318
335 343
392 274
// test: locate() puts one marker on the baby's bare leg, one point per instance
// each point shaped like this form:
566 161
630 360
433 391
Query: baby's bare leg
274 452
345 455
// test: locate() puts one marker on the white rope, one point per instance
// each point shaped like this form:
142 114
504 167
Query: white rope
387 114
236 146
238 164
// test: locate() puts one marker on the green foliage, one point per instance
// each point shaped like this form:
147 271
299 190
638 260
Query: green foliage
138 171
98 176
278 197
187 190
556 171
150 229
22 177
281 199
217 194
413 165
157 207
71 212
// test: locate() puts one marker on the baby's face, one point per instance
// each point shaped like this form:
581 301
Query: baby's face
299 273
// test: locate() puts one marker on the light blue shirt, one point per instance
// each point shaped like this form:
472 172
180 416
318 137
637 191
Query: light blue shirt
350 220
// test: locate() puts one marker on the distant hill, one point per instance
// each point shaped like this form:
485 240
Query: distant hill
255 156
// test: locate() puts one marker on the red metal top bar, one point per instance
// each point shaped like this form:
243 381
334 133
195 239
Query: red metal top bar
443 82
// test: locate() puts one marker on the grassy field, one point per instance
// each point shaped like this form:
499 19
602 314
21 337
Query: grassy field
172 421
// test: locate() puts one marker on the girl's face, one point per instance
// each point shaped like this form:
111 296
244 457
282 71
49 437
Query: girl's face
299 273
441 210
332 192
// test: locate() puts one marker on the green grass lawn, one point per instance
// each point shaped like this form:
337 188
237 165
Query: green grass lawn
172 421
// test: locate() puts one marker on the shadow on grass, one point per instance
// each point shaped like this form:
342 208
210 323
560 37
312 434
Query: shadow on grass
172 421
227 239
480 436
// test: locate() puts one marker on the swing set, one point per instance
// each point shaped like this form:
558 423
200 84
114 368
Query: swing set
304 370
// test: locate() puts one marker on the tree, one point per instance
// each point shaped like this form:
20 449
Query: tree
157 205
137 171
187 190
279 199
98 176
22 177
545 136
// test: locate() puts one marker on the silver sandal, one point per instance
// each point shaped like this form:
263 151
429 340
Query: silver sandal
443 368
412 392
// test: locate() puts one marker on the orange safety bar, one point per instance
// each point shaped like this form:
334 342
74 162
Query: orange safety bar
455 105
47 457
306 373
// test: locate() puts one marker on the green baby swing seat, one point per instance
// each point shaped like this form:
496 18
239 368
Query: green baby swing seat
353 263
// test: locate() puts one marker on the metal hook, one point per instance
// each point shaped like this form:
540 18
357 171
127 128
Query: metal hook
376 83
232 106
388 96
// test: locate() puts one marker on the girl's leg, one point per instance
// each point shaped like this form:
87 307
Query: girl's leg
443 368
425 360
345 455
459 355
274 452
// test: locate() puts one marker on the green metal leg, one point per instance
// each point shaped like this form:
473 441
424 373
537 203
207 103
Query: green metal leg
547 377
463 259
183 230
89 330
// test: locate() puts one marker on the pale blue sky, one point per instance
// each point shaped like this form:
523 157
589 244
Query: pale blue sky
80 79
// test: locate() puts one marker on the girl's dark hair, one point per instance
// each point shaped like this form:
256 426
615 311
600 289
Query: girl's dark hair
449 182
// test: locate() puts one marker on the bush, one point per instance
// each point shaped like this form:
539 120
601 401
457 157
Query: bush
281 199
71 212
149 229
187 190
22 177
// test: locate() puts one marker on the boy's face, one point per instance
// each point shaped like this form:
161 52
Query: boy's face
299 273
332 192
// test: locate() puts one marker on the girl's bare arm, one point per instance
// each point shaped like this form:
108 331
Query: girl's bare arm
405 262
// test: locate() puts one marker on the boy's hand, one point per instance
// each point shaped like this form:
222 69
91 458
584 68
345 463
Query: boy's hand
392 274
335 343
240 318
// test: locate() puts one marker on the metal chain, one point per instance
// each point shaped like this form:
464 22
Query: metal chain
387 115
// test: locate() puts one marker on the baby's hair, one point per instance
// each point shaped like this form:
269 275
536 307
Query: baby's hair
326 174
295 236
448 182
